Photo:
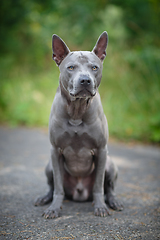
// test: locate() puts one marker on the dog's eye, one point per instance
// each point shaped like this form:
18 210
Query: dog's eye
94 68
71 68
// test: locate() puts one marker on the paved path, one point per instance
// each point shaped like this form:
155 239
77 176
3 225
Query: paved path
23 156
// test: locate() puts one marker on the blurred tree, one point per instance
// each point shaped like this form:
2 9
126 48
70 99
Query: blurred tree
141 18
12 15
76 20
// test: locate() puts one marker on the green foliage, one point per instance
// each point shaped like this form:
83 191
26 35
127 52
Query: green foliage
130 87
27 99
131 98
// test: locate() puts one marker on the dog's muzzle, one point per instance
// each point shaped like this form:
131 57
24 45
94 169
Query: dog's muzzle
83 88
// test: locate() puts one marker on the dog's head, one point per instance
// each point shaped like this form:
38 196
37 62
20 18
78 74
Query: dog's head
80 71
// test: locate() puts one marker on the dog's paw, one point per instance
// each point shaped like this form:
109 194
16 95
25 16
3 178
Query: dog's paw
114 203
44 200
101 211
40 201
51 213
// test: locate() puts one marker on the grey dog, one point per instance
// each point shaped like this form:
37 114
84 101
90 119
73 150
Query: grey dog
80 167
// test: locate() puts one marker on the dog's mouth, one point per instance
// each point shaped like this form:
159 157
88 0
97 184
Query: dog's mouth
84 93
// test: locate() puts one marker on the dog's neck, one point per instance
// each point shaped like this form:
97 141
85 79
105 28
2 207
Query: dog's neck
76 108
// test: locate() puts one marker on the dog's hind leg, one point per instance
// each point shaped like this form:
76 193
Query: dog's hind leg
48 197
111 174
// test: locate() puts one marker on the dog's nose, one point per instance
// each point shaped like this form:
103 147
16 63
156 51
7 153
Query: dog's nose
85 81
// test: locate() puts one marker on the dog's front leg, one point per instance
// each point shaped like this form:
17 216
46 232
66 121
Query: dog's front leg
100 208
54 210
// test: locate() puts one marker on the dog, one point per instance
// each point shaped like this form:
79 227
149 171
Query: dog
79 167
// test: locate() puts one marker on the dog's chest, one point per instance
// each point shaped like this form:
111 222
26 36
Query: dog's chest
76 137
78 149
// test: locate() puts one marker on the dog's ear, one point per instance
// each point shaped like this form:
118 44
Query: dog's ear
59 48
101 45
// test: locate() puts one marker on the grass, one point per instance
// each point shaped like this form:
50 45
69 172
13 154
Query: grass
28 98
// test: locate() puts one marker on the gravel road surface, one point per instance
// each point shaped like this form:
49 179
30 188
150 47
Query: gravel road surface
24 154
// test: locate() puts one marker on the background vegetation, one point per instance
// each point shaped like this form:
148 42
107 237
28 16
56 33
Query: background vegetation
130 87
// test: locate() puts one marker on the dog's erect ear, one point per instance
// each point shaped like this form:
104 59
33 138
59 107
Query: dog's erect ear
59 48
101 45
